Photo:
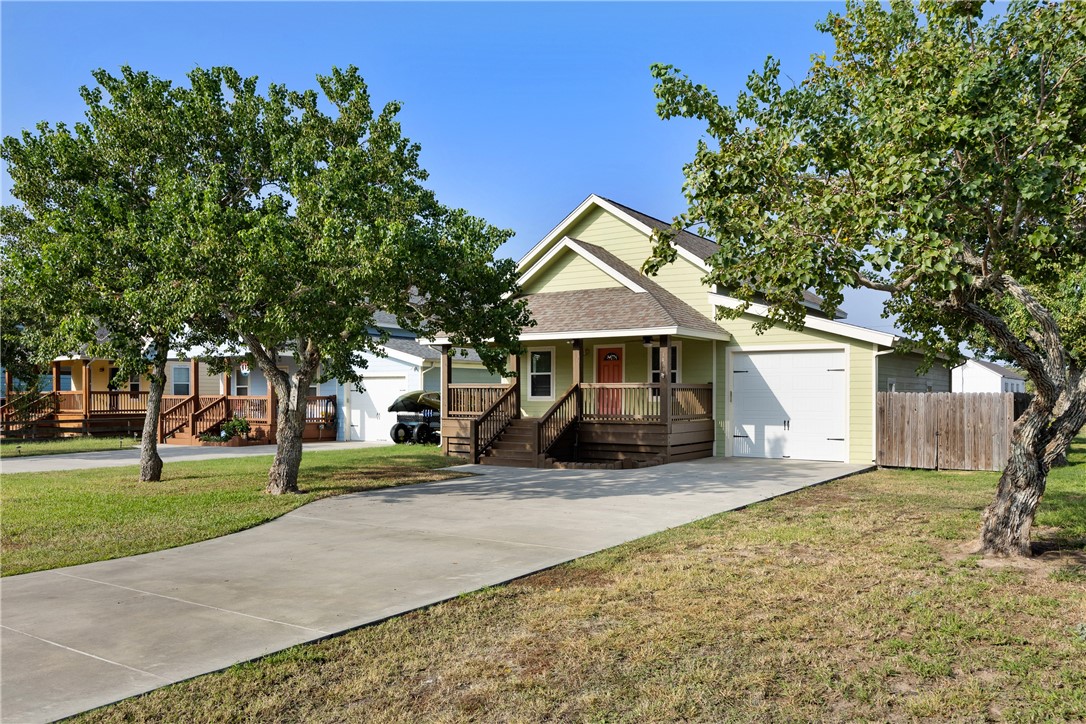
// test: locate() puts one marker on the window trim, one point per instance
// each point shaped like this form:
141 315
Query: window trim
553 373
173 380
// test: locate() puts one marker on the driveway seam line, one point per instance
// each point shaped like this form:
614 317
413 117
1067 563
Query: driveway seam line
582 551
84 653
193 603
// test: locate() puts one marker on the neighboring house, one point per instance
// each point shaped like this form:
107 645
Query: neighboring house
87 397
979 376
594 387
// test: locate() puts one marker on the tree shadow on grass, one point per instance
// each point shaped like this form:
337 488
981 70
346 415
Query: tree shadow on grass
1062 515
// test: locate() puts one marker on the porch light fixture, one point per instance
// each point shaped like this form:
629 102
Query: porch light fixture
647 341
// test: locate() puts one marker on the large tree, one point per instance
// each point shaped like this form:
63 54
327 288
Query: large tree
939 157
85 269
307 215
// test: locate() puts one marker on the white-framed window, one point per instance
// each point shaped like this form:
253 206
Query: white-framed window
314 390
181 380
134 383
891 384
654 363
541 373
241 381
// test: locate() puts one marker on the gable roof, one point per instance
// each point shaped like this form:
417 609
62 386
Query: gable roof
695 249
998 369
639 305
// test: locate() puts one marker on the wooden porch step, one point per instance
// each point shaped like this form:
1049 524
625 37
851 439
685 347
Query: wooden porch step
509 461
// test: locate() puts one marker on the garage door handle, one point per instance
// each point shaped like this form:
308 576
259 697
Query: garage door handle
836 439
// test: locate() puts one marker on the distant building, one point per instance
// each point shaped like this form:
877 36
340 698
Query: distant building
980 376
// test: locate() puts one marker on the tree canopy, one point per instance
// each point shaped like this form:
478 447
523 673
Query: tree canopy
937 156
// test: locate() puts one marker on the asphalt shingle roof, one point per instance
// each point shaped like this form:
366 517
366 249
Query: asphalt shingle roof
614 308
699 246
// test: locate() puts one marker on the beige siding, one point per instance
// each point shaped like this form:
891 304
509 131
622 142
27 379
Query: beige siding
209 384
903 368
569 271
861 361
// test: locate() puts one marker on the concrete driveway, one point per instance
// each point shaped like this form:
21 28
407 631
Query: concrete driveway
81 637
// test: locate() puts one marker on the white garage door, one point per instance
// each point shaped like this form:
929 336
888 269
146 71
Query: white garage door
789 405
370 418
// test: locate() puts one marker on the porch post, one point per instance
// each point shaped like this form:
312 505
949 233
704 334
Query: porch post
56 376
226 382
665 389
578 373
9 384
514 368
446 379
86 394
194 366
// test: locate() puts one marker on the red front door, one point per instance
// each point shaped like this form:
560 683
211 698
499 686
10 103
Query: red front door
609 369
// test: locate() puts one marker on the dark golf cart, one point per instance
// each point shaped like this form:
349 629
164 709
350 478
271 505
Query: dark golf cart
418 418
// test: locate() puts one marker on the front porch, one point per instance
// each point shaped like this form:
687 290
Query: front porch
609 423
74 407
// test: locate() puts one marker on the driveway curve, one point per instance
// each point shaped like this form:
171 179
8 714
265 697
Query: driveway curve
81 637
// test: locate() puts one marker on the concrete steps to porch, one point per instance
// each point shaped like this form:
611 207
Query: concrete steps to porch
515 447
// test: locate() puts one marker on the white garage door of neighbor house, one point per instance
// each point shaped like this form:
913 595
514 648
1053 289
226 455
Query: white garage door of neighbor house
370 418
789 405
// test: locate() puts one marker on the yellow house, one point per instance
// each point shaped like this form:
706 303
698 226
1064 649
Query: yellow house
593 387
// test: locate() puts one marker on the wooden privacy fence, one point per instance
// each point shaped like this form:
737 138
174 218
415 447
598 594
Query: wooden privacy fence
944 430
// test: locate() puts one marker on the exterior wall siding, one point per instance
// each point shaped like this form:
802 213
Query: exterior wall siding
569 271
903 369
861 382
682 278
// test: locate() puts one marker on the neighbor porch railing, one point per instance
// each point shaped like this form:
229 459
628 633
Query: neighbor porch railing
114 402
473 400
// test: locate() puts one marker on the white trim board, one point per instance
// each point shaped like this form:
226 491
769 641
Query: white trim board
573 246
850 331
610 333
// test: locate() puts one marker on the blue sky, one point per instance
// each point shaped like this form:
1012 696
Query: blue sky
522 110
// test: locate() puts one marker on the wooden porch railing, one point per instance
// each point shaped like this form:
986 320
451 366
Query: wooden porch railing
564 412
206 418
69 401
495 419
473 400
691 402
174 418
114 402
28 407
320 409
253 409
621 402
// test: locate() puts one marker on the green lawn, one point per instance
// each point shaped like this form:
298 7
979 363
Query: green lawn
65 518
25 448
854 600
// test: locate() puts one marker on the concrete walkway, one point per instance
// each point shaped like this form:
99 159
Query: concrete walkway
81 637
168 453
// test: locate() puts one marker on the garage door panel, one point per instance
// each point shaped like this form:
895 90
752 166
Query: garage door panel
789 404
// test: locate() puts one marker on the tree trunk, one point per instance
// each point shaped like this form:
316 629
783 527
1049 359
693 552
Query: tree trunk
283 475
1009 518
150 461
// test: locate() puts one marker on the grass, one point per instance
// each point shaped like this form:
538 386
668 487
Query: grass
26 448
854 600
66 518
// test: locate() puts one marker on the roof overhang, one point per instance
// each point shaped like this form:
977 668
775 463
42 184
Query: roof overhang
675 331
851 331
